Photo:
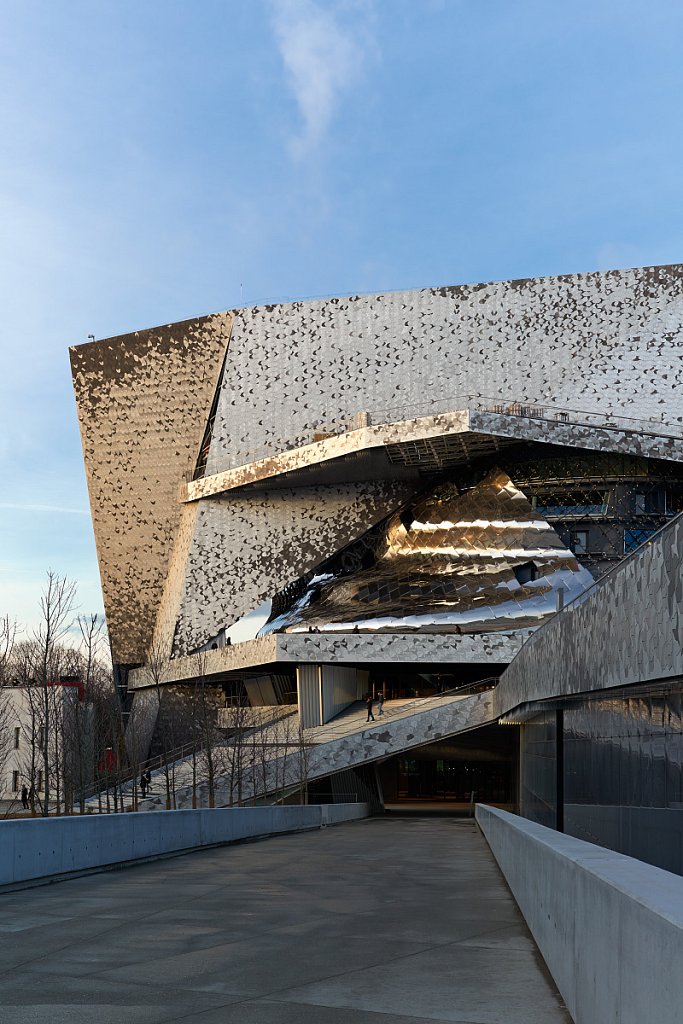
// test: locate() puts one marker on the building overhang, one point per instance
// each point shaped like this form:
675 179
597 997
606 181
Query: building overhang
429 443
281 649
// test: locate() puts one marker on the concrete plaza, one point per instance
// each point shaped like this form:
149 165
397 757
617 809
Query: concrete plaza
404 920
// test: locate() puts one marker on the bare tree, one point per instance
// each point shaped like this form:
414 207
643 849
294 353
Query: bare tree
9 630
56 607
91 628
8 717
157 667
303 762
8 634
204 733
231 755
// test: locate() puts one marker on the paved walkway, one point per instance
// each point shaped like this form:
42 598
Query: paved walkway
354 719
388 921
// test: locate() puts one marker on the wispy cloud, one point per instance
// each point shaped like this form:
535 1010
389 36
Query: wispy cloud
323 45
43 508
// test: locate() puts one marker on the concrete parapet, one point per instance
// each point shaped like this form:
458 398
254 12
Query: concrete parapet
50 848
609 927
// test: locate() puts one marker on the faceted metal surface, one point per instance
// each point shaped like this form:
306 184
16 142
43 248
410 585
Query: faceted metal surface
461 562
143 400
627 629
299 371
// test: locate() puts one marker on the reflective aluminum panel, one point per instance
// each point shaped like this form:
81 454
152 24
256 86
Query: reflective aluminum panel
481 560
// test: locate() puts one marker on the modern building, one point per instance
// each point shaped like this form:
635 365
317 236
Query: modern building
304 503
24 734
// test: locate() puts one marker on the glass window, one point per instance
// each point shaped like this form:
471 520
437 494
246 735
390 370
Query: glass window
634 538
580 542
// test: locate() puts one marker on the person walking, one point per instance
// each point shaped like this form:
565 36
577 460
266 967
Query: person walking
148 779
143 785
380 702
24 798
368 704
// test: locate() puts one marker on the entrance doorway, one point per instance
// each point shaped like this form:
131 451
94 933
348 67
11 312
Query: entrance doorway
478 766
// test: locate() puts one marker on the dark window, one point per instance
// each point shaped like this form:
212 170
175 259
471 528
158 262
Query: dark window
634 538
572 503
579 543
526 572
407 517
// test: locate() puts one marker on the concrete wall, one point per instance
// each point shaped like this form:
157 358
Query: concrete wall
609 927
41 848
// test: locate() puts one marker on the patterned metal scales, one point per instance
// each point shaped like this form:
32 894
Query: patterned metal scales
477 561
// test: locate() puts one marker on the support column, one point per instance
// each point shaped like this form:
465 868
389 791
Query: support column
309 695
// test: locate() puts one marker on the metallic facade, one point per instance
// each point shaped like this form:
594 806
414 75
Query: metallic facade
142 404
604 343
481 560
230 458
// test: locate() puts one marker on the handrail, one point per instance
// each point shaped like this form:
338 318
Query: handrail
407 708
601 581
118 777
341 423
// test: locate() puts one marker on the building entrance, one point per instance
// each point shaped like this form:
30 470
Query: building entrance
479 766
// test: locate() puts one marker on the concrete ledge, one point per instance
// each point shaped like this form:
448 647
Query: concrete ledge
609 927
40 849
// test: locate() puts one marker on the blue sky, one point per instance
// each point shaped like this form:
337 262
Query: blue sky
162 159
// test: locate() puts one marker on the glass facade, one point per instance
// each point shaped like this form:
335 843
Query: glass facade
449 771
538 769
620 772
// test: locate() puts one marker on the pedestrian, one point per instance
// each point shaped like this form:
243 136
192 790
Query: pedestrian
148 779
143 785
380 701
368 704
24 798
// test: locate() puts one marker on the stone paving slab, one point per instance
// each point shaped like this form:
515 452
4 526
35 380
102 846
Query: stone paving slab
404 920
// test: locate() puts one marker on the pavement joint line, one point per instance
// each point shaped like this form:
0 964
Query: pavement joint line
103 973
358 970
349 1009
173 876
115 927
123 865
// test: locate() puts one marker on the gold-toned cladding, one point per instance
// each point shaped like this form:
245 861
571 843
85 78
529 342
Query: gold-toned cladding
478 561
143 402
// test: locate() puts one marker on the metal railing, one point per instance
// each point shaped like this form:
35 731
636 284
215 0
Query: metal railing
601 581
341 423
341 726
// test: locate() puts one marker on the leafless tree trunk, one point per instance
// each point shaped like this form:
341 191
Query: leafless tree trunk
8 635
303 763
56 605
232 753
91 628
157 664
207 719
